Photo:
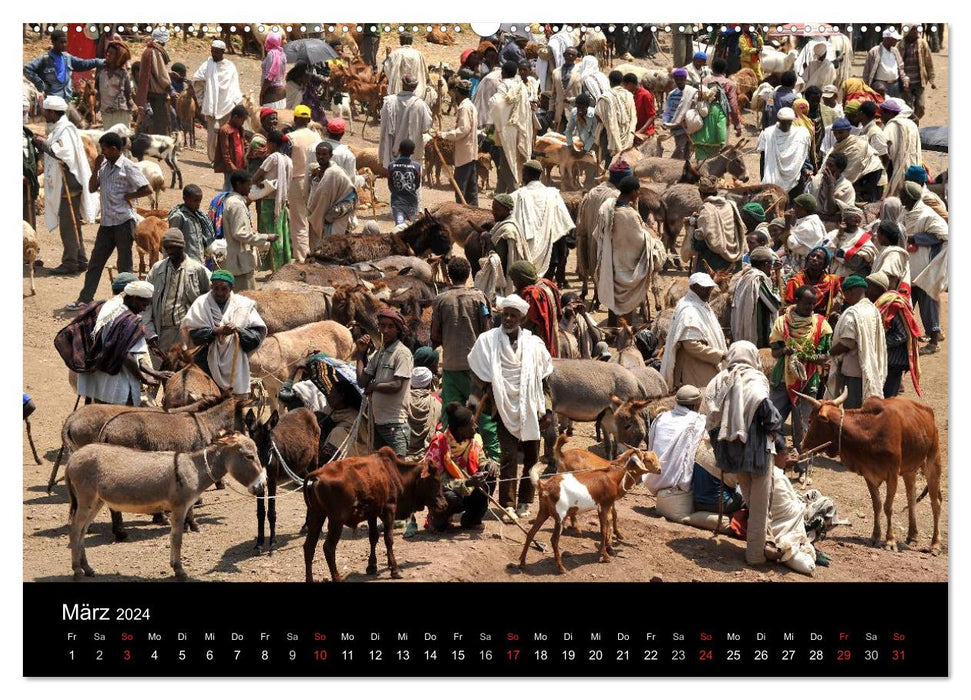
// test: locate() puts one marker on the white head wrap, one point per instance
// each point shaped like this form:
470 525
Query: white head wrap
513 301
55 103
160 35
219 44
421 378
142 289
786 114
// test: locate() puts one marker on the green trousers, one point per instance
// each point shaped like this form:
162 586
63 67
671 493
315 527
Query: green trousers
457 386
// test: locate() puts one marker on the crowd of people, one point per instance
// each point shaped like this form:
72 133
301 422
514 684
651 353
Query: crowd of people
822 298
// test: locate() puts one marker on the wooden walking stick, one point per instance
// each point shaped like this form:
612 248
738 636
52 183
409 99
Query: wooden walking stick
70 203
30 440
60 453
448 170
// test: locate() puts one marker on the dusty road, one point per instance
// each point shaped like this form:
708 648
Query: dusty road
223 550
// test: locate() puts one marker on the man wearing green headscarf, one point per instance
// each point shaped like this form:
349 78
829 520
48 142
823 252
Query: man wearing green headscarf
859 347
231 328
542 319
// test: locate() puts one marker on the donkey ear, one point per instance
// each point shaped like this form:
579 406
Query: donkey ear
274 419
249 419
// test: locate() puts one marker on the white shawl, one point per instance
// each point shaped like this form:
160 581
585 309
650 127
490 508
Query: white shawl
922 219
403 116
516 377
693 320
108 312
220 88
933 278
489 279
745 304
278 167
65 142
241 312
512 116
688 95
735 393
624 258
806 233
594 81
406 60
483 96
894 261
785 153
862 324
674 437
542 217
618 116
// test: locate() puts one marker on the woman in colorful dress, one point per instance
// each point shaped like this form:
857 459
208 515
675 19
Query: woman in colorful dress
272 214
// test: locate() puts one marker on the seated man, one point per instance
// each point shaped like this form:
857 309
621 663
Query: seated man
456 455
424 408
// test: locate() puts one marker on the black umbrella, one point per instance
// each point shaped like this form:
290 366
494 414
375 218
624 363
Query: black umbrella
934 138
309 50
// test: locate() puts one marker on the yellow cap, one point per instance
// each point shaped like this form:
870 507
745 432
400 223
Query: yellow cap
301 111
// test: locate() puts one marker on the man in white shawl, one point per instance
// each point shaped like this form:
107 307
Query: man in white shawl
618 117
557 45
833 191
63 151
542 217
483 96
755 305
891 259
567 84
512 117
216 84
859 348
230 326
674 437
903 142
332 198
851 246
118 330
928 264
624 260
818 67
717 236
588 218
806 229
784 151
404 115
745 430
514 365
405 60
695 344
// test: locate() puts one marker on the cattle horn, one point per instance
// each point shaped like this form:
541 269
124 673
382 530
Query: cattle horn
810 399
838 401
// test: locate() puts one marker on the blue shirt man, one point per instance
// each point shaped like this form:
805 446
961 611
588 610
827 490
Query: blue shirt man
51 73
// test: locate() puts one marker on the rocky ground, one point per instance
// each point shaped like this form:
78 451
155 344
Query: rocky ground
223 550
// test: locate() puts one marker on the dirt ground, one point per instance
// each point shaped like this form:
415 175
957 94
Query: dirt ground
223 551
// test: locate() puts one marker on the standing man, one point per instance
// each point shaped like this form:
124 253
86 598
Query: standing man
404 61
51 73
117 369
675 108
697 69
404 115
369 43
231 145
902 331
465 137
903 143
545 305
729 89
217 88
66 203
461 314
784 152
624 258
119 181
515 366
114 87
241 240
927 235
717 232
884 65
385 379
303 152
154 84
567 84
863 166
755 304
919 69
341 156
617 113
542 217
746 430
197 230
695 345
229 327
512 116
177 280
859 348
801 332
332 197
588 218
645 108
852 247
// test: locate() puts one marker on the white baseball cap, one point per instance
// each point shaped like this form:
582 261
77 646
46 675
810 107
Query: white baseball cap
786 114
702 279
219 44
891 33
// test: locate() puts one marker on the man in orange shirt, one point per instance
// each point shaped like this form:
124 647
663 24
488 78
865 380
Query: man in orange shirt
231 146
644 106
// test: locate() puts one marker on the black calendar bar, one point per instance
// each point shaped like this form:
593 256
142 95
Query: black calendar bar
459 629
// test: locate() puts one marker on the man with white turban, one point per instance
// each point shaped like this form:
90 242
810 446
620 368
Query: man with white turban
695 344
784 151
424 407
515 366
118 360
64 153
217 88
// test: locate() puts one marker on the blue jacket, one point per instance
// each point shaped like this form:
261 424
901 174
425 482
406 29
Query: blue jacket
42 73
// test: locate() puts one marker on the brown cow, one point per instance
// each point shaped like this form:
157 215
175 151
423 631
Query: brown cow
884 439
348 492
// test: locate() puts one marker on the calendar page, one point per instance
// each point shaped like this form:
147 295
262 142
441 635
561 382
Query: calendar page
514 349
